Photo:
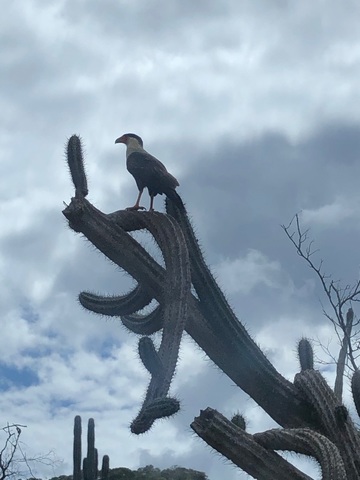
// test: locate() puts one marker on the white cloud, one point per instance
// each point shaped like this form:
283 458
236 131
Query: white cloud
332 214
254 269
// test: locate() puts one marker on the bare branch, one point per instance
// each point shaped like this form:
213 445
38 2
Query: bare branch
13 455
338 297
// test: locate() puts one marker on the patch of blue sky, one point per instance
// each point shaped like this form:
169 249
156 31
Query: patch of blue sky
11 376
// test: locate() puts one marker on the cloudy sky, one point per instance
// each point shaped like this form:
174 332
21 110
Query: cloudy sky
254 106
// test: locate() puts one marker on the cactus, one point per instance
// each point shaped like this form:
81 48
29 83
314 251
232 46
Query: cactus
89 471
77 448
239 421
149 356
306 355
105 467
76 165
90 462
314 422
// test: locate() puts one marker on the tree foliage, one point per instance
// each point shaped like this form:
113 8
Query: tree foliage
149 472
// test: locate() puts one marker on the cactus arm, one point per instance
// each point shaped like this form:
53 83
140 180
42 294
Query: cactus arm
115 306
76 166
334 424
305 354
307 442
150 357
240 447
114 242
175 305
145 324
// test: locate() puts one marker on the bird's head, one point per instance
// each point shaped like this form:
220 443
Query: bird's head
126 138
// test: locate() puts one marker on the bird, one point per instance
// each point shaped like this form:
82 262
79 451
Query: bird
148 172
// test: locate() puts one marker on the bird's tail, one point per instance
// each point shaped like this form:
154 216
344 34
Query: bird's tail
175 197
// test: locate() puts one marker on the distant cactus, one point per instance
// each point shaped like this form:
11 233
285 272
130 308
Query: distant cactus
89 466
77 448
90 462
314 422
105 468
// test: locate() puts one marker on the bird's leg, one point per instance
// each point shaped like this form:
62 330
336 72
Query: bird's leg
151 209
137 203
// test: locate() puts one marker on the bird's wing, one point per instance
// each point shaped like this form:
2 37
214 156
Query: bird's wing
136 165
148 170
160 170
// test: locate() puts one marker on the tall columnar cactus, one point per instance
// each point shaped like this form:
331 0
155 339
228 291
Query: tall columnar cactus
77 448
313 420
90 462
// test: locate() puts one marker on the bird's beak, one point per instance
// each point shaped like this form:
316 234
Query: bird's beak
120 139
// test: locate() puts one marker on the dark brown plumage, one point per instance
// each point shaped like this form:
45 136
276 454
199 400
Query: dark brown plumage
148 172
